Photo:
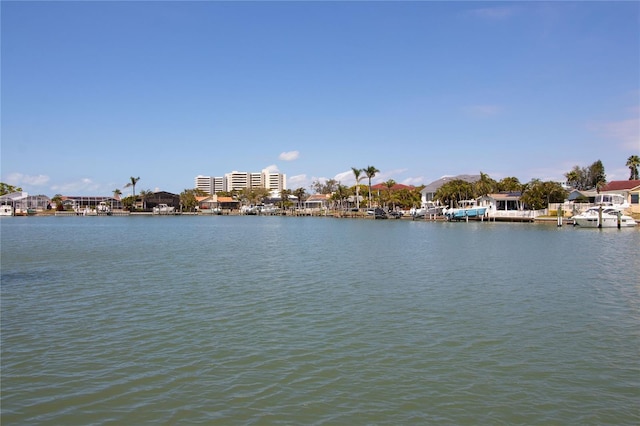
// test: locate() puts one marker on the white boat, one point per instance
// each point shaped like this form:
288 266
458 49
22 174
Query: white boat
212 211
467 209
427 209
603 217
103 209
607 213
6 210
164 209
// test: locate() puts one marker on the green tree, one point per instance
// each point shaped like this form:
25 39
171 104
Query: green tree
370 172
254 195
408 198
592 177
597 176
327 187
356 173
538 194
57 199
133 181
144 194
510 184
301 195
340 195
485 185
5 188
127 202
575 178
284 197
633 162
454 191
389 184
116 195
188 200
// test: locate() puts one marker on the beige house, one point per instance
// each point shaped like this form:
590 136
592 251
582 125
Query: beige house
317 202
629 189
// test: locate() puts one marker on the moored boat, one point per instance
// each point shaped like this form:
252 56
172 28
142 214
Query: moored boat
607 213
6 210
603 217
164 209
468 209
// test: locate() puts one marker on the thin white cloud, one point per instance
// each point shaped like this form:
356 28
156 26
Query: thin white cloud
84 186
625 132
289 156
298 181
484 111
493 13
386 175
414 181
272 169
346 178
19 179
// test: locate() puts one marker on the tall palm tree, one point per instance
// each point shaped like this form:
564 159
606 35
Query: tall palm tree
339 195
57 199
144 194
116 195
389 184
356 173
485 185
633 163
370 171
300 193
284 197
132 183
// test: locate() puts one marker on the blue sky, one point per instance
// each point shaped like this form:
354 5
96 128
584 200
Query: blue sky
96 92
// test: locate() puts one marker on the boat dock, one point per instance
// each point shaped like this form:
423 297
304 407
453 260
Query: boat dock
92 213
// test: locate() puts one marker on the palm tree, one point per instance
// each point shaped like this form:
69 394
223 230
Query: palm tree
356 173
144 194
485 185
57 199
339 195
389 184
133 182
116 195
633 163
370 171
284 197
510 184
300 193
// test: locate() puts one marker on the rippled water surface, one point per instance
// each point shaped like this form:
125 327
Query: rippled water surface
265 320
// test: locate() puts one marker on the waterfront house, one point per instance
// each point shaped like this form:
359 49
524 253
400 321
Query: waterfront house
317 202
583 196
228 203
160 197
207 203
24 203
428 193
629 189
89 202
384 192
507 206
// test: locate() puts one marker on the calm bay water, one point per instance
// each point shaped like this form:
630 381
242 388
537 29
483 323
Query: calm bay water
265 320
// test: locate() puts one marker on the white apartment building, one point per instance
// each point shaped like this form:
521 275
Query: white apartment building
209 184
241 180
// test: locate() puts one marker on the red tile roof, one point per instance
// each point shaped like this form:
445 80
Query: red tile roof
618 185
396 187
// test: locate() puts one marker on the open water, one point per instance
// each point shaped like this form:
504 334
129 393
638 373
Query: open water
283 320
